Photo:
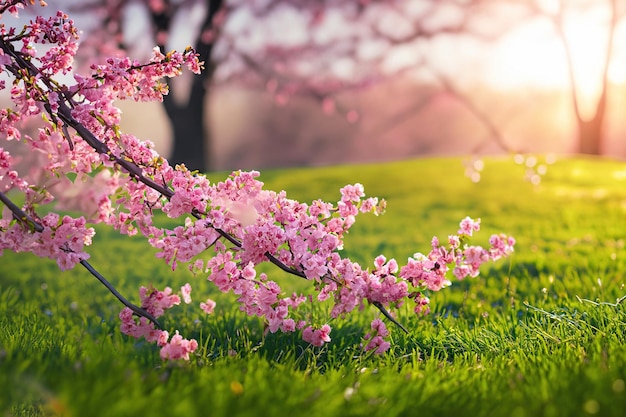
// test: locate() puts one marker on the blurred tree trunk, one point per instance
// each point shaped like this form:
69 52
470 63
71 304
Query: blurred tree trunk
591 132
191 136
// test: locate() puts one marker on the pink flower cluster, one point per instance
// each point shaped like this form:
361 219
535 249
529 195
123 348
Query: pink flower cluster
429 272
317 337
63 238
228 228
124 78
376 339
155 302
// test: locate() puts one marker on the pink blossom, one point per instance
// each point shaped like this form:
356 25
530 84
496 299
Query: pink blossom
468 226
377 343
475 255
314 266
288 326
178 348
421 304
162 339
501 246
156 302
347 208
379 327
317 337
462 271
454 241
369 205
185 290
14 10
208 306
320 209
352 193
138 328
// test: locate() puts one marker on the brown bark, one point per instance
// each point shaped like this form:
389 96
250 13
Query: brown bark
590 137
591 132
191 137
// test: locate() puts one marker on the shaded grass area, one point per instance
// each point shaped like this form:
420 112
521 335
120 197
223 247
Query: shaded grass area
536 335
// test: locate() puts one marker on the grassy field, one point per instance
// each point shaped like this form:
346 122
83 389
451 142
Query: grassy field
537 335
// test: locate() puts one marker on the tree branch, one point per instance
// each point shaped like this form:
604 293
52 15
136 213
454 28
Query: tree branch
20 215
137 310
383 310
32 224
492 129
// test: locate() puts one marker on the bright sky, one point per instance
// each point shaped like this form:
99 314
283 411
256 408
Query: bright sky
532 55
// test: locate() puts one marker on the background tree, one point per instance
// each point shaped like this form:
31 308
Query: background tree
184 111
560 13
322 49
565 18
206 20
287 47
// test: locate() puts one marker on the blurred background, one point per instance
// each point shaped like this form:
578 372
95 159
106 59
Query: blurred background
305 83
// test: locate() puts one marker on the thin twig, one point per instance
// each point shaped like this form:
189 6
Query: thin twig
137 310
20 215
31 224
383 310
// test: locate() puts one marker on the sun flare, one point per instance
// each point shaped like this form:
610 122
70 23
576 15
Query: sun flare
533 55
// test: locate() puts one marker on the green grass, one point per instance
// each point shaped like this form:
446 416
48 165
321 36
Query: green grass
534 335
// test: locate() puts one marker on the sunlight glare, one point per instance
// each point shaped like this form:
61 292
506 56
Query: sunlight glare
529 56
533 56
